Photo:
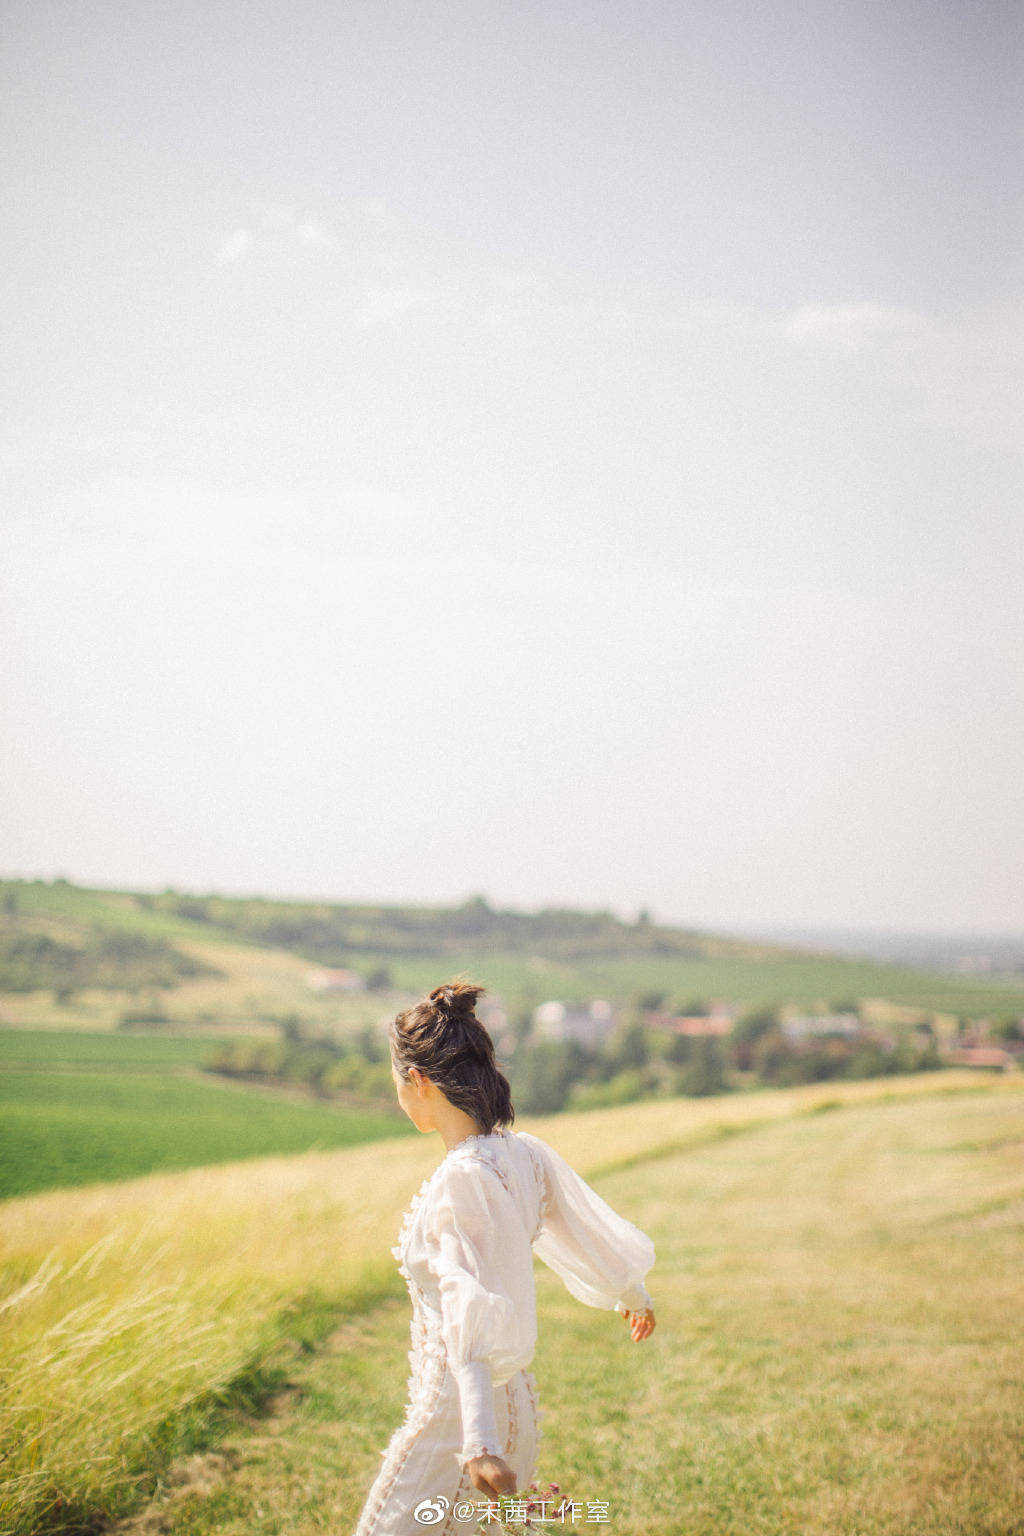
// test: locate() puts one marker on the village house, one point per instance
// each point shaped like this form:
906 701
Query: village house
979 1056
718 1022
975 1045
589 1024
334 981
802 1026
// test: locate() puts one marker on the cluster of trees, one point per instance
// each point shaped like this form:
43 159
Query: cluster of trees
634 1063
757 1045
546 1076
104 957
356 1068
330 933
1004 1029
639 1062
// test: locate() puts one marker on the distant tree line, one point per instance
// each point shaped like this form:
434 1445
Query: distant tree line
355 1068
330 933
104 957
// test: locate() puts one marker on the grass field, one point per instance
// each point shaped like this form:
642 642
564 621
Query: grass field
839 1293
82 1108
837 1352
145 1051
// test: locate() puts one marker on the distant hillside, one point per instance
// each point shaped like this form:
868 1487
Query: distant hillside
61 935
966 954
330 933
92 958
65 939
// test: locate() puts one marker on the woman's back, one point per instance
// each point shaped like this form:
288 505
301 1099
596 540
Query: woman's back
516 1160
468 1240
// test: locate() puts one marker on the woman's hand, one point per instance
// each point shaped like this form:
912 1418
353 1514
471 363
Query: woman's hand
492 1476
641 1324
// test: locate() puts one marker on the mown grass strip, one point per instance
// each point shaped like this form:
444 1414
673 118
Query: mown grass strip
716 1130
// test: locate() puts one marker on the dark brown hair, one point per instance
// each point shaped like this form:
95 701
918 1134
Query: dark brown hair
445 1040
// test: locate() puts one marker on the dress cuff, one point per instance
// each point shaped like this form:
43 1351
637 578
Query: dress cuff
476 1403
636 1299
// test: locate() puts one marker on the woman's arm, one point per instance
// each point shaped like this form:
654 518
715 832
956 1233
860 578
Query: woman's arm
601 1257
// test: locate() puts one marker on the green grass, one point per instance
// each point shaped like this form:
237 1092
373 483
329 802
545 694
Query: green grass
48 1048
805 980
837 1353
73 1127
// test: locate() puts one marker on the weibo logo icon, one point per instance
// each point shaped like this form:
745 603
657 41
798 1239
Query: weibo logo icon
430 1511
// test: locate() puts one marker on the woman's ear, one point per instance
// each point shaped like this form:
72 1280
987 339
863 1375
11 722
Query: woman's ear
419 1082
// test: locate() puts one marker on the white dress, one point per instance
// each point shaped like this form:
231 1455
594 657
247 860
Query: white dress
466 1251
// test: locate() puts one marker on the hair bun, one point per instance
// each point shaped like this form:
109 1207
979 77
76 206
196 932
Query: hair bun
457 998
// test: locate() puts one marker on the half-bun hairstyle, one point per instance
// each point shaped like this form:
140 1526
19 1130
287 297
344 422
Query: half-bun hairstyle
445 1040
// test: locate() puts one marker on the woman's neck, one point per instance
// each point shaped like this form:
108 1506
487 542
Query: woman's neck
454 1125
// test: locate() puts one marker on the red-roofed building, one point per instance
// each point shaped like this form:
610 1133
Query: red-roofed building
717 1023
979 1056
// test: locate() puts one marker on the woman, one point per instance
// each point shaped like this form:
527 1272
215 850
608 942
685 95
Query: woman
466 1251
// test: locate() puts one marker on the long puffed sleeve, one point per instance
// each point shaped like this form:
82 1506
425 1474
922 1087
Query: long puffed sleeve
480 1253
601 1257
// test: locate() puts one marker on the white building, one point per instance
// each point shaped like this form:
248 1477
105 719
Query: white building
334 981
589 1024
803 1025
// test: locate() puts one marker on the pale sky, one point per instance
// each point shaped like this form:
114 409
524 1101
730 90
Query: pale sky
567 452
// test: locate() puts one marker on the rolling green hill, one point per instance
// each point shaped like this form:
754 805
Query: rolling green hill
206 961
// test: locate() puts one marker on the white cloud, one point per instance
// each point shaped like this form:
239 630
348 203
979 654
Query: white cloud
376 504
850 327
966 372
235 247
386 305
278 216
167 514
969 375
277 225
197 518
313 236
377 209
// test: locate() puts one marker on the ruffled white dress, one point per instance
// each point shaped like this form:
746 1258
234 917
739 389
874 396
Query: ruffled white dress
466 1251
